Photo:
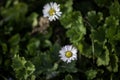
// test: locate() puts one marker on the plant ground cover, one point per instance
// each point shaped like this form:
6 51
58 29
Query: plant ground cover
59 39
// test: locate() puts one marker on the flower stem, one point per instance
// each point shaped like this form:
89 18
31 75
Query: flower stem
93 47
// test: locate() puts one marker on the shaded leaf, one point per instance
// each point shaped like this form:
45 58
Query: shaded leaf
67 10
94 18
113 65
69 67
32 46
33 19
16 12
111 21
91 74
115 9
103 3
14 40
68 77
103 59
4 47
98 35
85 49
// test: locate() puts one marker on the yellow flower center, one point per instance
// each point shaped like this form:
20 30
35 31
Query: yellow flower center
68 54
51 12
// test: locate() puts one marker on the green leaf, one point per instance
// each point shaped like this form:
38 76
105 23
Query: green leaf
77 30
103 3
15 12
117 36
103 59
91 74
73 21
37 61
85 49
68 77
18 62
111 24
115 9
8 3
98 49
30 68
98 35
51 75
21 74
32 46
47 43
68 6
113 65
33 77
15 49
94 18
111 21
69 67
14 40
23 69
67 10
4 47
111 32
55 67
33 19
14 43
40 61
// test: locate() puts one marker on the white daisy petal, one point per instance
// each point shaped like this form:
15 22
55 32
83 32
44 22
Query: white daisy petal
45 15
68 53
51 4
56 17
74 50
59 13
70 47
65 48
68 61
52 11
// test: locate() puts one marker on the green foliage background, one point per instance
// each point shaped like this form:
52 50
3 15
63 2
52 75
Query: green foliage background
90 25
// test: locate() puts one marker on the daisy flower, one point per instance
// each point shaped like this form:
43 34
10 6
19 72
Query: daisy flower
68 53
52 11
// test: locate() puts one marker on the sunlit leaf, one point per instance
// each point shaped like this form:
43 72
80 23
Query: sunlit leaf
77 30
22 68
